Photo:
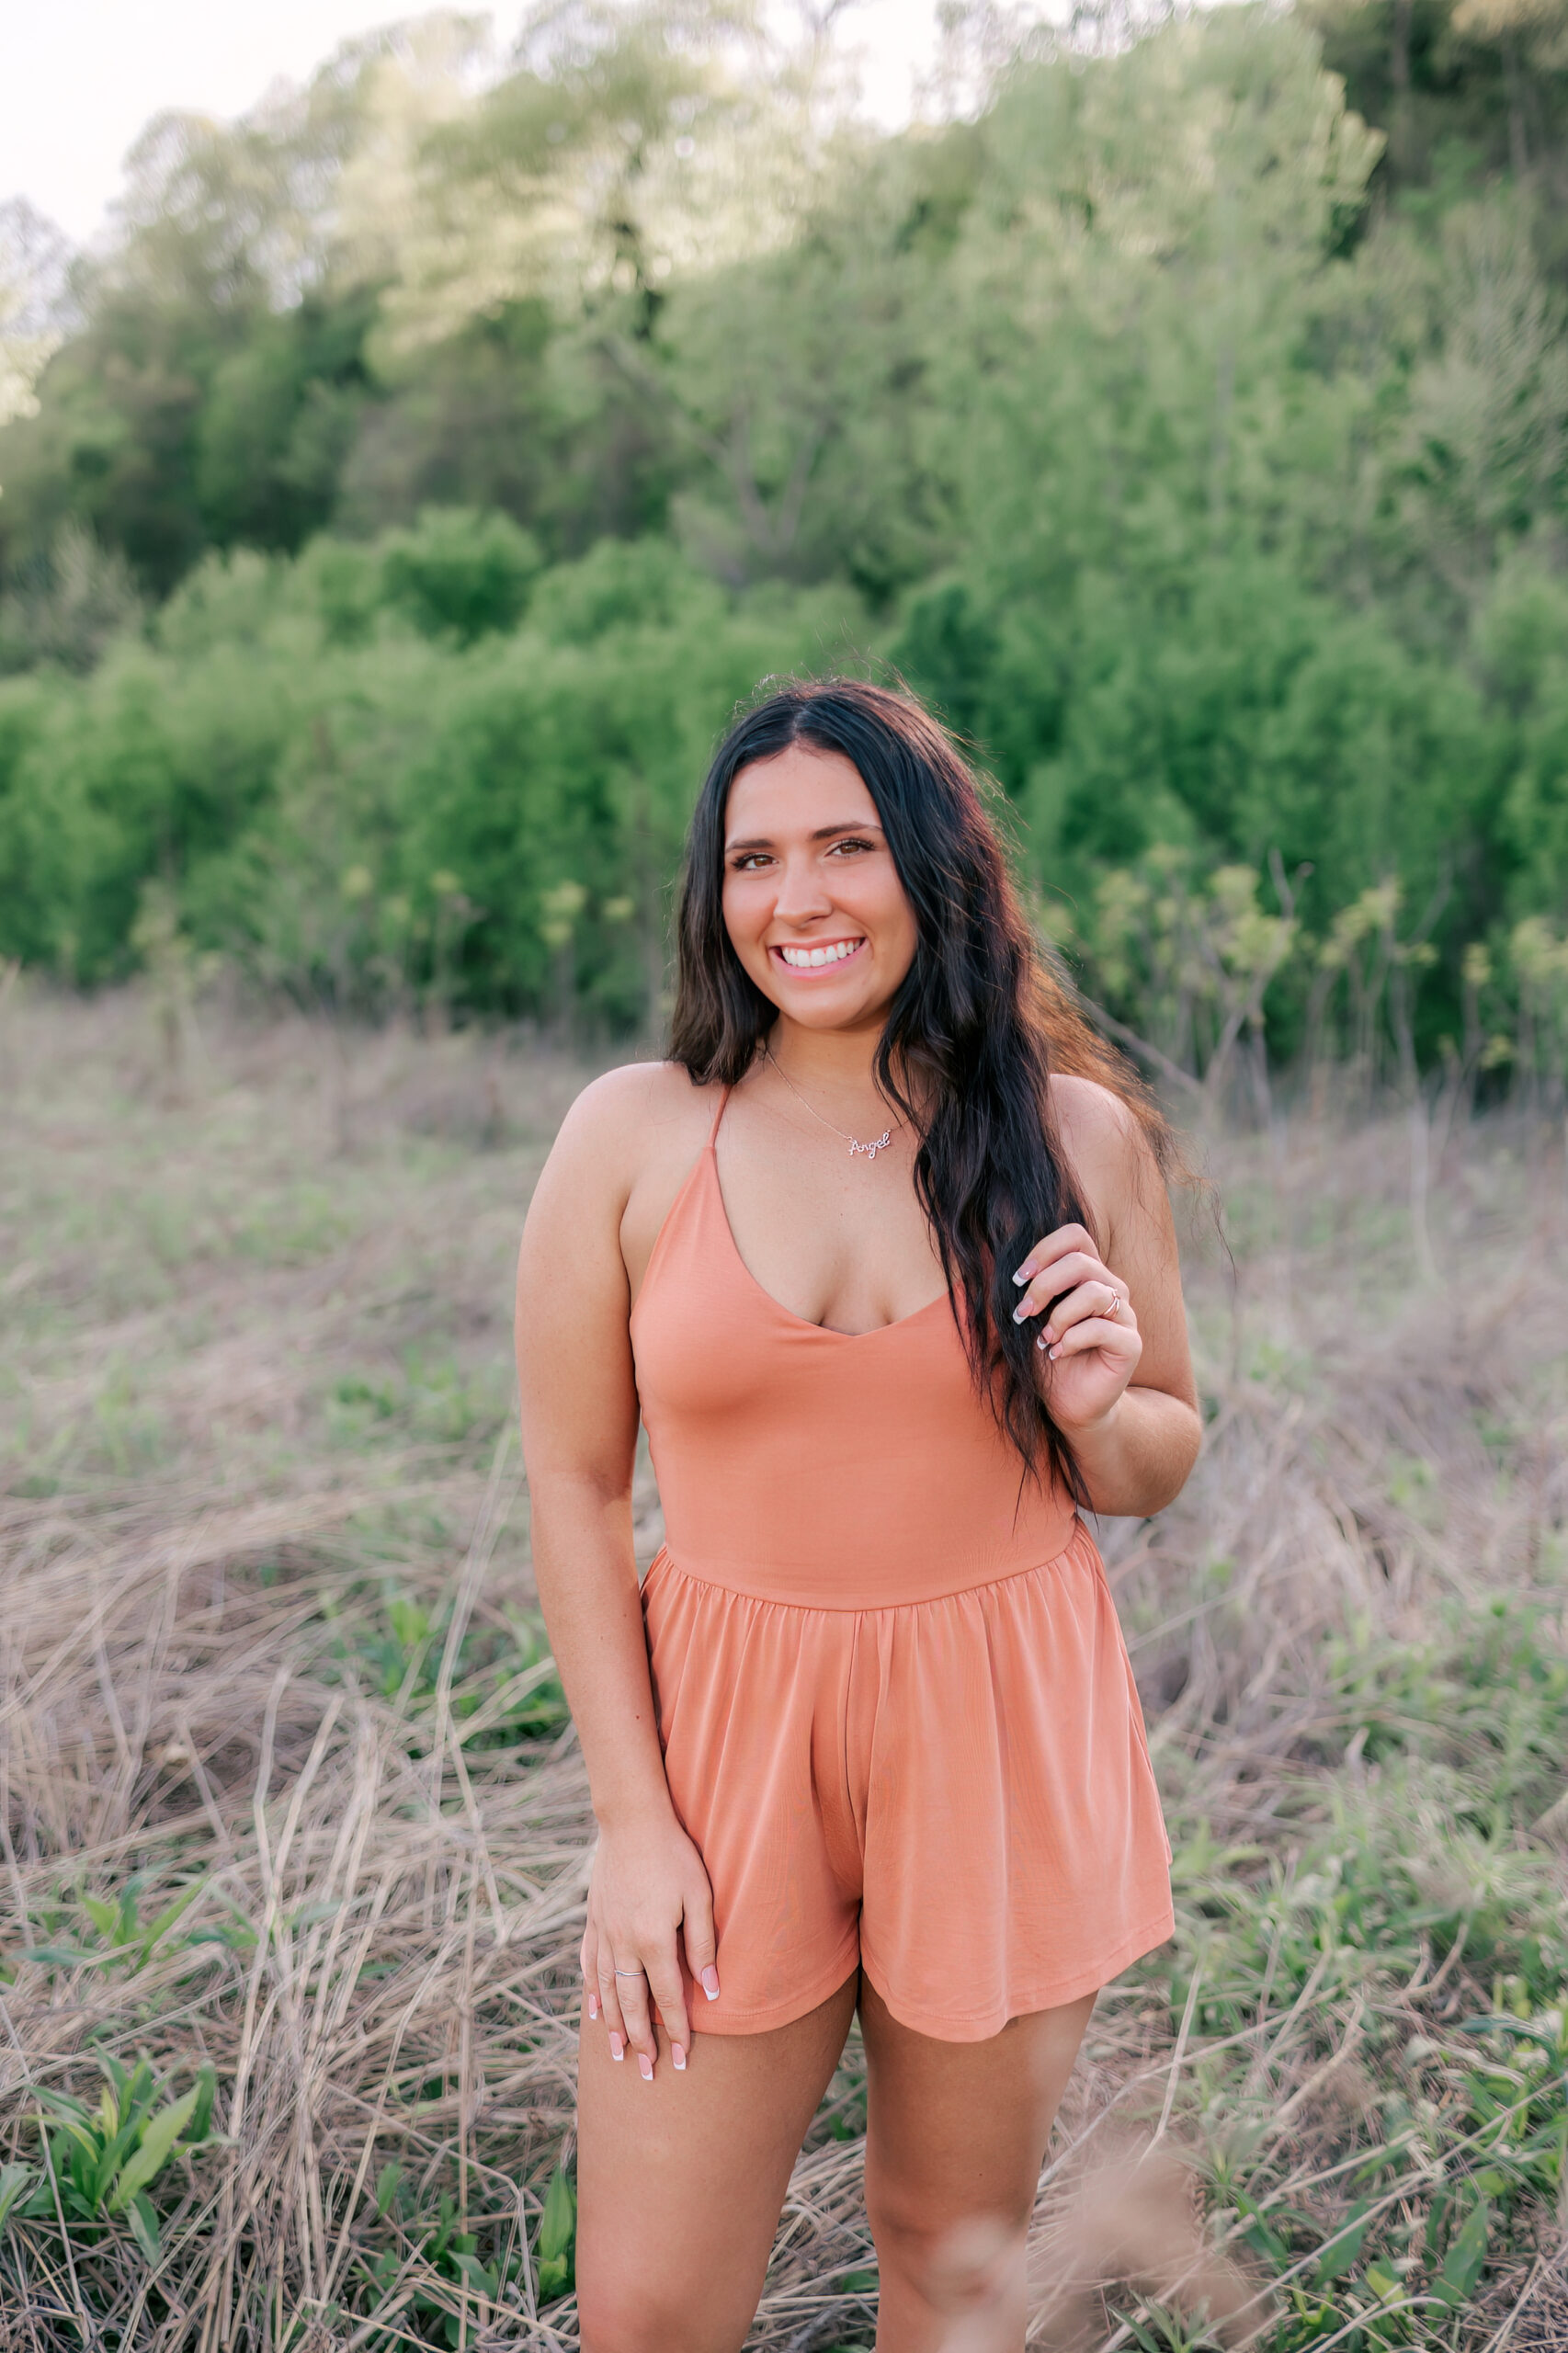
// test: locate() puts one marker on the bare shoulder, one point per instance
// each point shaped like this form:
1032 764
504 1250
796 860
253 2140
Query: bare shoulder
1103 1143
624 1112
617 1145
1096 1127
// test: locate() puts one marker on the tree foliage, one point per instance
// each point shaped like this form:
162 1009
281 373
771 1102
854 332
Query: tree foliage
438 453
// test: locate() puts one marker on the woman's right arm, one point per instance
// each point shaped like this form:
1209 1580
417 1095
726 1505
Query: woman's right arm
579 1412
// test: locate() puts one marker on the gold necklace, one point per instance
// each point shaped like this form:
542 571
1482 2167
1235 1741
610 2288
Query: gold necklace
878 1143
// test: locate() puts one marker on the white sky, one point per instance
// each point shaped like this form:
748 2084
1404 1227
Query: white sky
79 78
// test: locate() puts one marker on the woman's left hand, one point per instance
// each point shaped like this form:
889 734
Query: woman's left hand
1090 1339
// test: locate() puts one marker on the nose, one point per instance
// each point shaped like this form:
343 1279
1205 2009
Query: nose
803 897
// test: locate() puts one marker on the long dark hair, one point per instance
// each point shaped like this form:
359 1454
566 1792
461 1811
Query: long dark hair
979 1022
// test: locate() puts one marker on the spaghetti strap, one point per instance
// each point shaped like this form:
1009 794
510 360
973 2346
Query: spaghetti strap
714 1131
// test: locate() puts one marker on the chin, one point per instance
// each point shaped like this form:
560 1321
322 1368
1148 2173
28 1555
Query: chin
846 1015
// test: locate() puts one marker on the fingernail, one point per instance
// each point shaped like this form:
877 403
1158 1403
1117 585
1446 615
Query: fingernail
616 2048
1041 1342
1019 1313
1024 1275
645 2066
593 2006
677 2057
710 1983
1054 1354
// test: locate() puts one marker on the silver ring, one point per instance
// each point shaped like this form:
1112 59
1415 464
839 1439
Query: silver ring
1114 1310
632 1972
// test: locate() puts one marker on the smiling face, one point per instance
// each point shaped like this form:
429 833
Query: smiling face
813 902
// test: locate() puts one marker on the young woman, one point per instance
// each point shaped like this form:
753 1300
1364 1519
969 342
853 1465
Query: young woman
882 1260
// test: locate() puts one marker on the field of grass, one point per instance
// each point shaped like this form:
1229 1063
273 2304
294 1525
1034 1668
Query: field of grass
294 1828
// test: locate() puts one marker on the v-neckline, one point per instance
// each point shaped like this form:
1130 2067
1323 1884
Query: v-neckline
803 1322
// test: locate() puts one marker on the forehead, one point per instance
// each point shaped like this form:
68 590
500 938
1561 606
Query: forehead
796 791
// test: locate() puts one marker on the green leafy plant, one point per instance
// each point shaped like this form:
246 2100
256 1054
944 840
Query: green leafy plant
109 1932
17 2184
434 2245
1164 2331
102 2162
555 2247
504 1673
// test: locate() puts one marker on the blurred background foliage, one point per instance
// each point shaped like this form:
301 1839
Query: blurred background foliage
397 503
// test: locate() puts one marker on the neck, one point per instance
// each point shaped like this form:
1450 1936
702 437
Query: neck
835 1062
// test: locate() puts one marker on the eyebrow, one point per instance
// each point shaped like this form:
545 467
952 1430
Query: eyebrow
823 834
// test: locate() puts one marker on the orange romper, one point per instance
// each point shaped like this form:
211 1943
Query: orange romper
897 1713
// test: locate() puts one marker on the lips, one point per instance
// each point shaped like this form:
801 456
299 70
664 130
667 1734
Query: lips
817 955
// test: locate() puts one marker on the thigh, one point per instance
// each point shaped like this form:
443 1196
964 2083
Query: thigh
956 2138
680 2182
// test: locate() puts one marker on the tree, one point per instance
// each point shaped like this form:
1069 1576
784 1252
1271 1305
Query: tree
33 303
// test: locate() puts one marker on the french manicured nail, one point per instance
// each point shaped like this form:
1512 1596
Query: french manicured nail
1024 1275
616 2048
1021 1313
1054 1354
645 2066
677 2057
593 2006
710 1983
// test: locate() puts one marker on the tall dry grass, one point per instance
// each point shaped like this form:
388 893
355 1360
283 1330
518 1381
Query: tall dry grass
267 1634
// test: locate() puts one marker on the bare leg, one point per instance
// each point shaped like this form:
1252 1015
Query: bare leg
957 2135
681 2181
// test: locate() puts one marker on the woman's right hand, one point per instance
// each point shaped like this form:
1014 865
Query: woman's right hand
648 1888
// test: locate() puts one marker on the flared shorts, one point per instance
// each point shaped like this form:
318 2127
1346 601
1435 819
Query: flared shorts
954 1795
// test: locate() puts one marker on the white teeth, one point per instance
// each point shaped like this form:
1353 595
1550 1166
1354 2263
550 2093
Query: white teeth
802 959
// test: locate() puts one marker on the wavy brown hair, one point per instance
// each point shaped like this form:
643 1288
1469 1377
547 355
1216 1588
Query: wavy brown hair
979 1021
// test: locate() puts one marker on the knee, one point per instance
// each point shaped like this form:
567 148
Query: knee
617 2316
952 2263
623 2315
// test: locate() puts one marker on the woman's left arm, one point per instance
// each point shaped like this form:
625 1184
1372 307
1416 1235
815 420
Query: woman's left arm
1114 1362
